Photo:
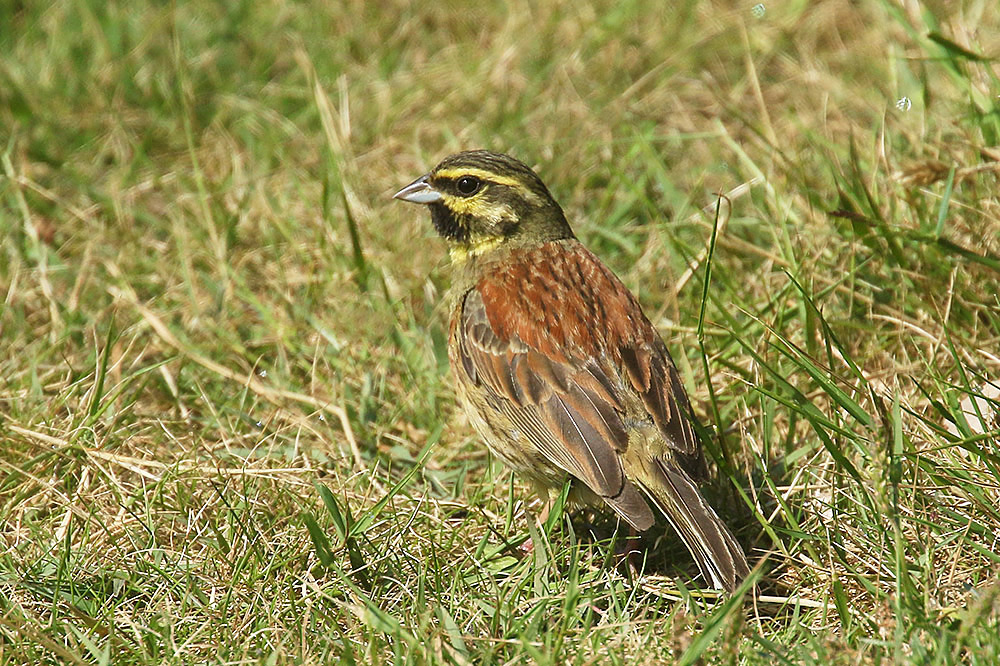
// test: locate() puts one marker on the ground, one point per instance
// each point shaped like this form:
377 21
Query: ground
228 432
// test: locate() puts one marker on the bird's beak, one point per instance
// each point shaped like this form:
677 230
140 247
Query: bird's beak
419 191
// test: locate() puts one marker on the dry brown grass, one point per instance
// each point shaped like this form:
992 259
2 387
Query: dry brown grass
211 308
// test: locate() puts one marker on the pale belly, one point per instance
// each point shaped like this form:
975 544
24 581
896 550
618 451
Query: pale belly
511 446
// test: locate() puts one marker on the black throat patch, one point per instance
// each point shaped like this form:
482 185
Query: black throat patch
447 224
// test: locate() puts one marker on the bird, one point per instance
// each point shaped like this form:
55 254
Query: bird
560 372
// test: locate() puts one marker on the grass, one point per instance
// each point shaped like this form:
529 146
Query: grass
228 431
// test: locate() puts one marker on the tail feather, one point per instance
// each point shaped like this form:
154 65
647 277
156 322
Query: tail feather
712 545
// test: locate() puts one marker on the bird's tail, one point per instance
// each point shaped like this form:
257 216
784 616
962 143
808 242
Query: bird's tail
719 556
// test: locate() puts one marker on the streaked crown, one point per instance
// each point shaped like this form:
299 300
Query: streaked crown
479 200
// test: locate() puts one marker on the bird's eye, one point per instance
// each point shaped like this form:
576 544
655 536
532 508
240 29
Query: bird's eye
468 185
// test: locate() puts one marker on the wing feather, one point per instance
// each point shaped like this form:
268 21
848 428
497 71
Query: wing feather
569 414
559 347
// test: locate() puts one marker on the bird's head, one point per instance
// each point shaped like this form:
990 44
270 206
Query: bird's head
482 201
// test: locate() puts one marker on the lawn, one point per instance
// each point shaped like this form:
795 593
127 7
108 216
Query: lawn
227 429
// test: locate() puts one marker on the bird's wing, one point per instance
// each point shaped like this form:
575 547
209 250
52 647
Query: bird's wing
653 376
567 408
559 344
560 297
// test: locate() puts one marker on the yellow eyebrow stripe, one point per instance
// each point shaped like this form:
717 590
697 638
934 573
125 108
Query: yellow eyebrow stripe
488 176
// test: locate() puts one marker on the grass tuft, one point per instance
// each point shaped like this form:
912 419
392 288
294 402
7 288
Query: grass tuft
228 431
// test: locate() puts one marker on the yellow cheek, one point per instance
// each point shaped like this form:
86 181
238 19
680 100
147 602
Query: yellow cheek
492 214
462 206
